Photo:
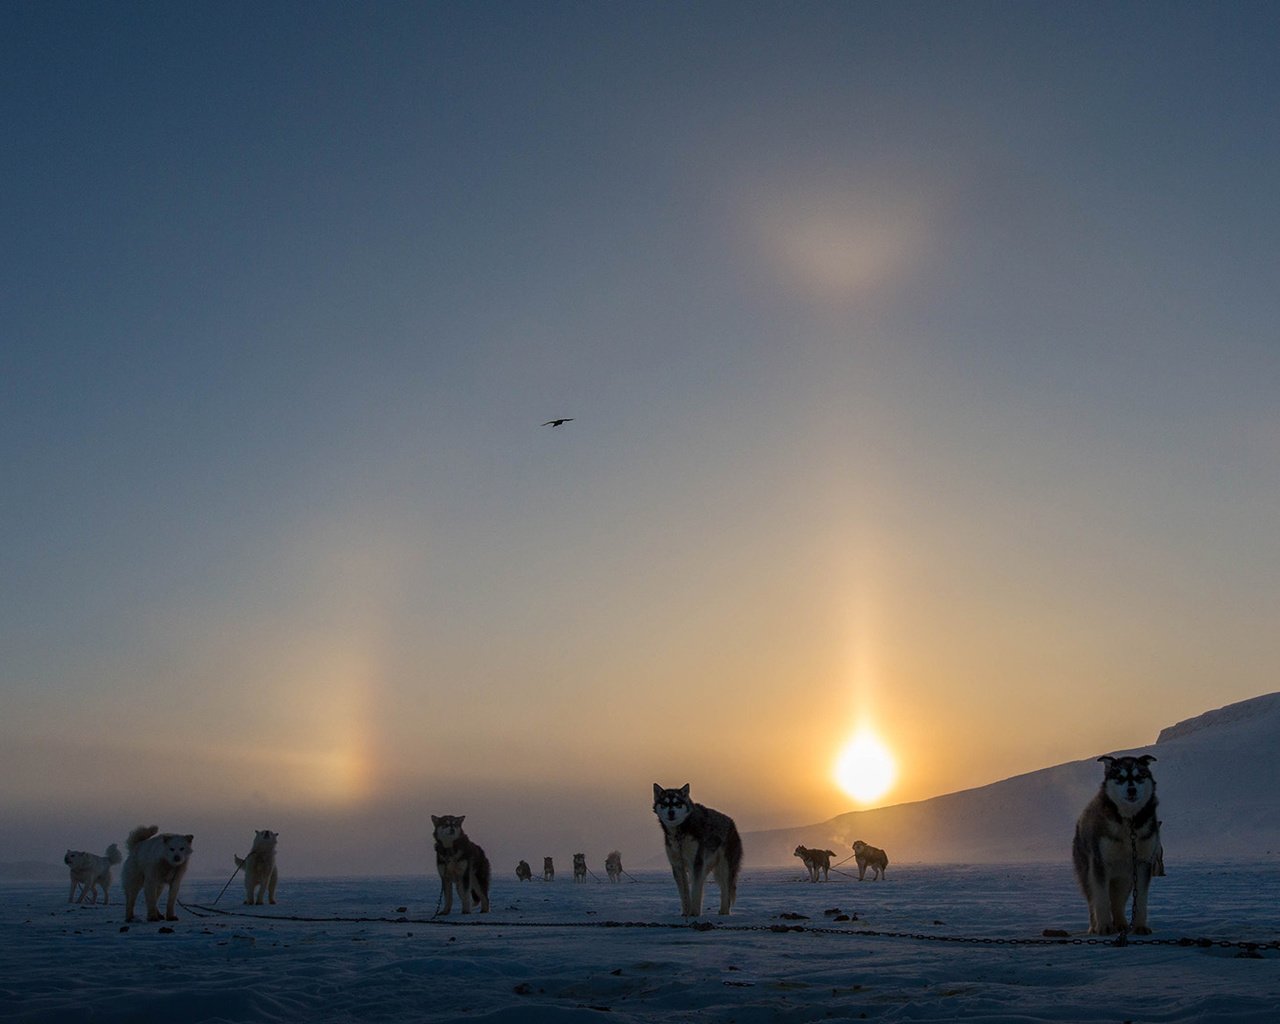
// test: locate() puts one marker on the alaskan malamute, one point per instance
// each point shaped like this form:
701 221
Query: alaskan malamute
1117 846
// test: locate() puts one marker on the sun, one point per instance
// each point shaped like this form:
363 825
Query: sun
865 768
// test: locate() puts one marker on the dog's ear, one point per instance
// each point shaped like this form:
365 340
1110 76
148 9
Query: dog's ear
657 791
435 820
1107 759
189 837
1146 759
461 818
684 790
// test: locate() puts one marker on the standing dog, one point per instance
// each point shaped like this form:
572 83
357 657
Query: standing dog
613 866
1117 847
154 861
523 871
548 869
461 863
260 867
869 857
579 867
91 873
816 861
700 842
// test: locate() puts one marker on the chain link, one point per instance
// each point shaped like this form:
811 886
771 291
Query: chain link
1247 947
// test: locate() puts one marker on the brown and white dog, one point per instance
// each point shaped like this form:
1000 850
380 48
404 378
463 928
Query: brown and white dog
816 862
871 857
461 864
1117 847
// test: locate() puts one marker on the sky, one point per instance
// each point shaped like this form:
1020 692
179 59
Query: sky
922 361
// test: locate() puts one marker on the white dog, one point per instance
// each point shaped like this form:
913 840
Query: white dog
154 861
260 867
91 873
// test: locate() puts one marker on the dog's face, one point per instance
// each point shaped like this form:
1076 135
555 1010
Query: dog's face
176 848
1128 782
546 862
579 860
79 860
672 806
859 846
447 826
264 840
801 852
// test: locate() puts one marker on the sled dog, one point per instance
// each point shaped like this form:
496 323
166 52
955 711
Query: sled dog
700 842
156 859
816 862
613 866
579 867
869 857
548 869
91 873
523 871
1117 847
461 863
260 867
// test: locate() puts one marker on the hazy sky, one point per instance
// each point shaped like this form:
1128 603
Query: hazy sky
923 361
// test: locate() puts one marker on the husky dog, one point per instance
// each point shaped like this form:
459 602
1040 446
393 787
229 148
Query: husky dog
870 857
1117 846
548 869
816 861
260 867
579 867
699 842
613 866
523 871
461 863
91 873
154 861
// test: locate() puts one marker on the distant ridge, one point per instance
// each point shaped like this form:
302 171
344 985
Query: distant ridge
1031 817
1268 705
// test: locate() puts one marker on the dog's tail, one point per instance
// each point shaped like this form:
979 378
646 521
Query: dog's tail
239 860
139 834
113 854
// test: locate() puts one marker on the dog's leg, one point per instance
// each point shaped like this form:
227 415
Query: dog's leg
446 890
464 889
271 885
1139 925
680 873
170 913
699 880
724 879
130 899
151 891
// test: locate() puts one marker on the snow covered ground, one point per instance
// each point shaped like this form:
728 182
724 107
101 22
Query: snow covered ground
545 953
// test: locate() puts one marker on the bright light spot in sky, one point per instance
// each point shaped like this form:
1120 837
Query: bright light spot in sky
865 768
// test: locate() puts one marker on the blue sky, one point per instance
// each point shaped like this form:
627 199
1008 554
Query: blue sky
922 360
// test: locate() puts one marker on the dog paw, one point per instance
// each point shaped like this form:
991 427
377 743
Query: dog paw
1140 930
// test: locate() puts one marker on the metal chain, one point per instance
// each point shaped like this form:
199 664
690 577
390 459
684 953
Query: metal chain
1247 946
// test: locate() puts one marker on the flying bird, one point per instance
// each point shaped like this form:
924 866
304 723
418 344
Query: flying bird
556 423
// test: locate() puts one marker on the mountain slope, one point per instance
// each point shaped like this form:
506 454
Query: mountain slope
1218 778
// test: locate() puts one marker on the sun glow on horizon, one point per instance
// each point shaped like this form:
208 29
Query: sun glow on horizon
865 768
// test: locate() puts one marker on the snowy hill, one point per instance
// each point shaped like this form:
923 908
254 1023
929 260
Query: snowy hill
1218 778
